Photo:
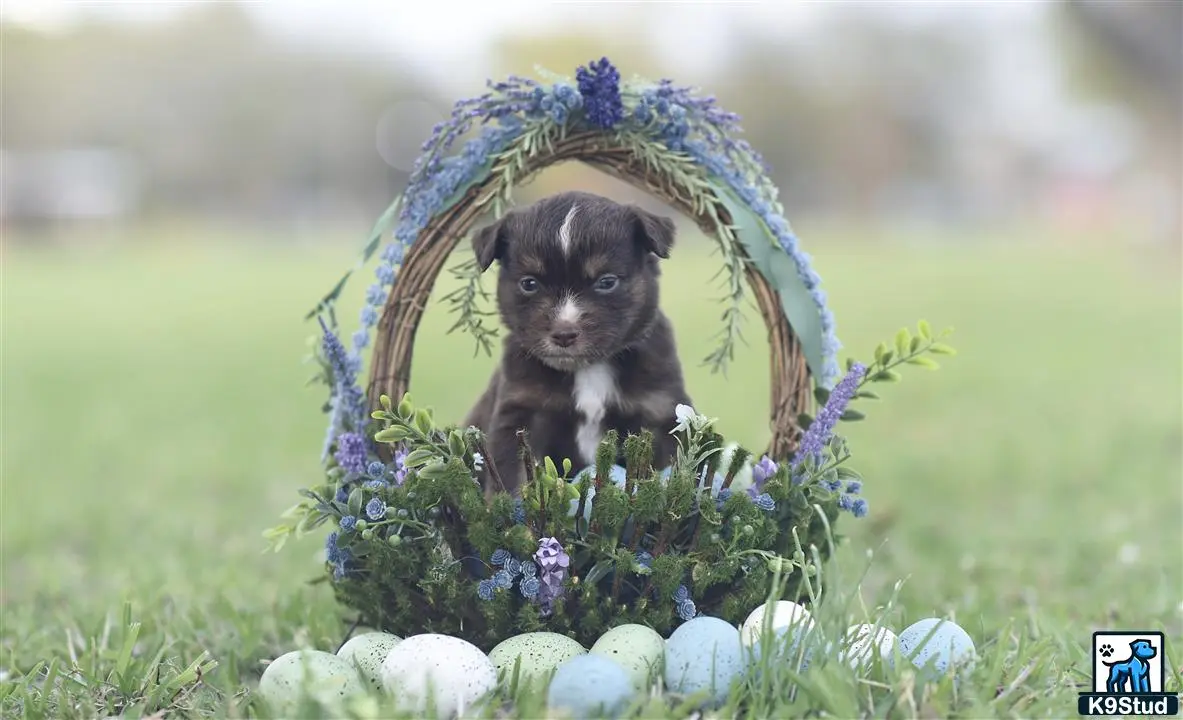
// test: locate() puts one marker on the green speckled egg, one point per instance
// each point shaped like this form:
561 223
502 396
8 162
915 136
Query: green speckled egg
368 650
540 653
322 675
639 649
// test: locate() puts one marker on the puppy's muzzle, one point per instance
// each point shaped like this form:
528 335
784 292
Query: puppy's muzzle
564 335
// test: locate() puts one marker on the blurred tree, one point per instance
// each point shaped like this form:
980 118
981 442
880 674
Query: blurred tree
222 119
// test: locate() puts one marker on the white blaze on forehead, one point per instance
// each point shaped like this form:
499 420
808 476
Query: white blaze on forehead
565 230
568 310
595 389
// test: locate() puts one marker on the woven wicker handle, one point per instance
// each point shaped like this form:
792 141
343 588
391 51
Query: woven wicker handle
390 372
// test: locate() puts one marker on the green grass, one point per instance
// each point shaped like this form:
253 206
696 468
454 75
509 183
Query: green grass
155 421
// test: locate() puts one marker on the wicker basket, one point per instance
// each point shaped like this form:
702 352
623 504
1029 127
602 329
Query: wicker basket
390 373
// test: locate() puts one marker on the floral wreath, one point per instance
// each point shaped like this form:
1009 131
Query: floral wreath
417 539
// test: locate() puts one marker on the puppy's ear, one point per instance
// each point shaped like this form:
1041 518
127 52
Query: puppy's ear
655 232
489 243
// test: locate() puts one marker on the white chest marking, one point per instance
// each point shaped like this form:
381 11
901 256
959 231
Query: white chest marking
565 231
595 389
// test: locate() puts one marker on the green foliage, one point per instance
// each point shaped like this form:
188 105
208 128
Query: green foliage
444 531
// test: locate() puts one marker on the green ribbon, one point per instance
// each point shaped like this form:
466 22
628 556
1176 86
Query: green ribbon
780 270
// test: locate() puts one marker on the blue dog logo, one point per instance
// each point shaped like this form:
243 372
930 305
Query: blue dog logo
1133 672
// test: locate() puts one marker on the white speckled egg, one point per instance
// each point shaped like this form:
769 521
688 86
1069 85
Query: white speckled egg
949 645
790 626
589 686
743 479
704 654
456 671
864 641
538 652
321 675
785 614
639 649
367 651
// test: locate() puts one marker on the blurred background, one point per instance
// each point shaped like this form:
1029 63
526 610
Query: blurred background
182 181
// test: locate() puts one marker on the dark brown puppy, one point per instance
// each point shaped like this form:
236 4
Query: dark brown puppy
587 348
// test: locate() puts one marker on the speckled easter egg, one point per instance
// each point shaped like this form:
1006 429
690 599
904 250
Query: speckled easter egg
864 642
456 671
743 479
538 654
367 651
617 474
935 645
785 614
590 686
639 649
704 654
320 674
789 625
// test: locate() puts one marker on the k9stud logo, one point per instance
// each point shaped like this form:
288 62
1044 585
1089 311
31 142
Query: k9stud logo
1129 673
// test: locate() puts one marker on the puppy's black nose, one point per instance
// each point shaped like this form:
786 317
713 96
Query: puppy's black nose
564 338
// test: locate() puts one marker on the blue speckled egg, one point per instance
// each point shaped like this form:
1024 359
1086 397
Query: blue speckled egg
590 686
704 654
935 645
618 476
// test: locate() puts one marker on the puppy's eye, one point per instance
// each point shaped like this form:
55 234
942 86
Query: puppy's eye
606 283
528 285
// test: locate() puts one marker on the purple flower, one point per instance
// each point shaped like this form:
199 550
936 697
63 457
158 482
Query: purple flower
528 569
762 471
332 552
337 556
347 404
854 487
342 494
375 294
484 590
502 579
376 470
375 485
376 509
401 470
553 562
500 555
644 559
819 432
599 84
833 484
368 316
686 609
513 566
681 594
348 523
393 253
858 507
351 452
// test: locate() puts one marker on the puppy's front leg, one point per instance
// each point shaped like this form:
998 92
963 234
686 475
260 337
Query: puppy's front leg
503 444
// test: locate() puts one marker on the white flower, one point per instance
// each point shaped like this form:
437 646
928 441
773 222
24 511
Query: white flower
478 461
689 420
685 415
